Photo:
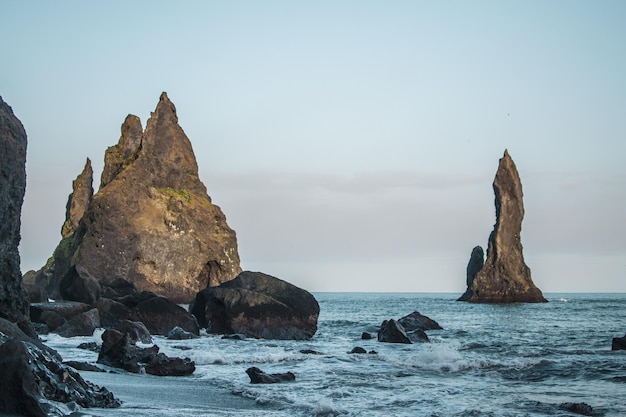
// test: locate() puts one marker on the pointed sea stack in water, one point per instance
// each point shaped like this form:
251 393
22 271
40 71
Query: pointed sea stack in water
151 223
504 278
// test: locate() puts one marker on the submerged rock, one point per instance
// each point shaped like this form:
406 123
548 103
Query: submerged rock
392 332
583 409
257 376
504 277
257 305
619 343
417 321
151 223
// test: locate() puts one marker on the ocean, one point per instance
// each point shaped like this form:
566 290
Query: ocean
489 360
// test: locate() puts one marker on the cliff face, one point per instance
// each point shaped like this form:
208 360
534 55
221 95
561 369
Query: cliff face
151 222
504 277
13 299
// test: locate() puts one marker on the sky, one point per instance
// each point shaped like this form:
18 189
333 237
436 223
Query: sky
352 145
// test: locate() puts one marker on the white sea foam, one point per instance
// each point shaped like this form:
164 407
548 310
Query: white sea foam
473 366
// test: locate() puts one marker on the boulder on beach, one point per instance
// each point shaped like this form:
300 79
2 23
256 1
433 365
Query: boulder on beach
257 305
151 223
504 277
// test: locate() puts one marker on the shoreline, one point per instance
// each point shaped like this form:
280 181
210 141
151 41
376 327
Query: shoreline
147 395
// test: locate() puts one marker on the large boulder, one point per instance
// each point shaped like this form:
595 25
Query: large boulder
504 278
151 223
161 315
392 332
417 321
257 305
83 324
13 297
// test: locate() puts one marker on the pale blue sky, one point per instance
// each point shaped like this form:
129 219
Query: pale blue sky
352 145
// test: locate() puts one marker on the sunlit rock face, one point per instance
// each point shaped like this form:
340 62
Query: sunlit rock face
13 298
504 277
151 222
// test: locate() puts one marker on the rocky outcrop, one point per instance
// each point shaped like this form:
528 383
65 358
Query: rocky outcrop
78 201
392 332
417 321
35 383
257 305
119 351
159 314
504 278
475 264
151 223
13 298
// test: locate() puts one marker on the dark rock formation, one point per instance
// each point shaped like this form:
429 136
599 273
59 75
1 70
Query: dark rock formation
84 366
33 380
583 409
366 336
392 332
66 309
257 376
357 349
78 201
417 321
118 351
111 312
83 324
257 305
161 315
151 223
13 298
504 278
475 264
36 383
619 343
136 331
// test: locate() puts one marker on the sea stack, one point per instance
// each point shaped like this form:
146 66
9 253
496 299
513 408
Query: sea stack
151 223
504 277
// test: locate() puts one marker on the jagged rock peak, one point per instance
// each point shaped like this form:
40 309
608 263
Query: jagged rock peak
504 277
126 150
152 222
82 193
13 298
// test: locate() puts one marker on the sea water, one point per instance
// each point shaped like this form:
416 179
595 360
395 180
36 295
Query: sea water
489 360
